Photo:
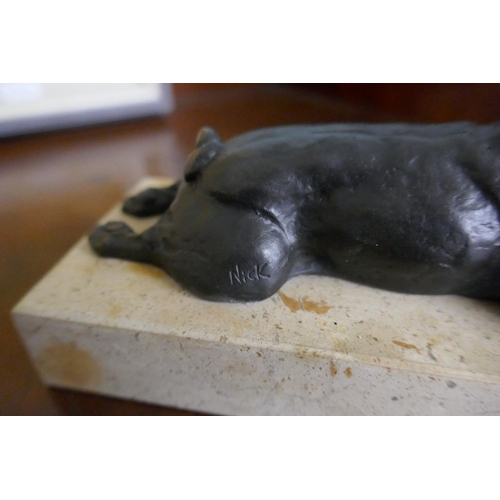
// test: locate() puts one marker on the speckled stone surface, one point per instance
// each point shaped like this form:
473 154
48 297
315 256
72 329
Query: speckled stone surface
321 346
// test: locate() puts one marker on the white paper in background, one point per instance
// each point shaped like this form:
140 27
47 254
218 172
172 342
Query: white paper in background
33 107
15 93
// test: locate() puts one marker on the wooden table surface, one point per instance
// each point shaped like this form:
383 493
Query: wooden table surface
54 186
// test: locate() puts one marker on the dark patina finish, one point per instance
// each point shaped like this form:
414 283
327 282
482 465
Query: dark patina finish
408 208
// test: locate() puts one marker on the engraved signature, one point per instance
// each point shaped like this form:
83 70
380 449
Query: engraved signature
255 274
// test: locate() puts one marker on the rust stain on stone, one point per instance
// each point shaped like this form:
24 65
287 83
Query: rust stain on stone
234 323
300 353
114 311
145 270
333 369
67 364
405 345
348 372
292 304
341 345
317 307
305 304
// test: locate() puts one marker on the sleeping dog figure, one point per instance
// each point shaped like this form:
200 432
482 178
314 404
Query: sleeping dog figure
407 208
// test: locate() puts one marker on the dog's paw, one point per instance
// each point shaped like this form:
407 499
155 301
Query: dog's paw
150 202
104 238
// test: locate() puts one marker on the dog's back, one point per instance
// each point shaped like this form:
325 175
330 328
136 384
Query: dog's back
410 208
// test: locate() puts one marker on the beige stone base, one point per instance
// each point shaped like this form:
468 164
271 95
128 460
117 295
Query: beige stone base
321 346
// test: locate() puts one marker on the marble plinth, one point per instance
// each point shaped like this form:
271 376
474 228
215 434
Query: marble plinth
320 346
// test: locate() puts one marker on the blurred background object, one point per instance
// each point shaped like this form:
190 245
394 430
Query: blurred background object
427 103
36 107
55 185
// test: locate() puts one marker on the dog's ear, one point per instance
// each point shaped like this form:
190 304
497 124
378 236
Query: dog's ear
208 147
206 135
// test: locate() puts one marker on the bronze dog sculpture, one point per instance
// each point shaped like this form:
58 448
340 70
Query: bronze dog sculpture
408 208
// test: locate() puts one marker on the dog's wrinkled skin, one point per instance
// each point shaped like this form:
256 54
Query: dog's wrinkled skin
409 208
